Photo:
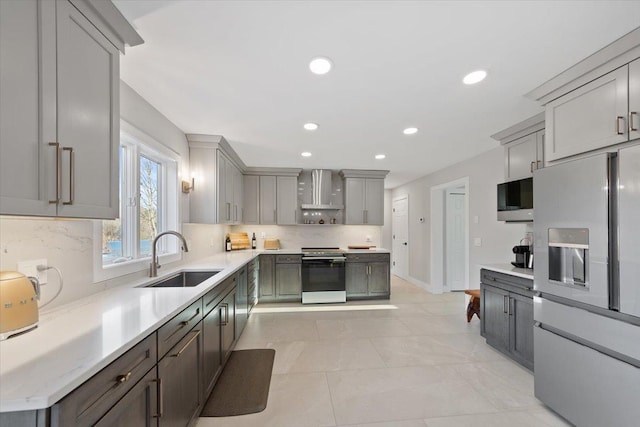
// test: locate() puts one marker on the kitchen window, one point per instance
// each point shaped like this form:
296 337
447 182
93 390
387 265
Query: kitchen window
148 206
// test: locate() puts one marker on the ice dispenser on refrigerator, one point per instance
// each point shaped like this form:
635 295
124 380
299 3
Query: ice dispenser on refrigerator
568 255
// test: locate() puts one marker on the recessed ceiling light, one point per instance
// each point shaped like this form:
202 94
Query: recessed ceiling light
306 154
310 126
320 65
410 131
380 156
474 77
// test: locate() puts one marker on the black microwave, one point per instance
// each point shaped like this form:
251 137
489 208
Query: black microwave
515 200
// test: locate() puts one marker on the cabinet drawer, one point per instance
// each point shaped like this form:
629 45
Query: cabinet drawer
367 257
507 282
89 402
215 295
173 331
288 259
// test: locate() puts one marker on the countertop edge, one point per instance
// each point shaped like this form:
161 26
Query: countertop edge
525 273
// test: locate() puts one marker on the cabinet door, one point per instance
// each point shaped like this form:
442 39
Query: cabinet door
212 354
179 371
354 200
137 408
378 278
267 276
203 202
267 200
521 329
540 137
634 99
590 117
251 196
242 302
237 194
27 107
374 201
288 282
88 116
228 323
520 157
494 316
356 279
224 208
287 200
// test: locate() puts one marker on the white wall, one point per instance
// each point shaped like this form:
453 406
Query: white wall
485 172
386 228
68 244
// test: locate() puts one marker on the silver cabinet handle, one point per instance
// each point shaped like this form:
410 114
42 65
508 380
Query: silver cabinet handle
71 175
160 398
632 114
228 211
505 300
618 127
275 216
225 322
58 174
531 166
184 347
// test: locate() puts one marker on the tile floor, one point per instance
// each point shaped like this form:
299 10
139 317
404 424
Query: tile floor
409 361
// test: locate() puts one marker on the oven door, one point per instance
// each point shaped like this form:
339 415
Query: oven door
321 274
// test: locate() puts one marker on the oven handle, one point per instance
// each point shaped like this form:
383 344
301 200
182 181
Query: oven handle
324 258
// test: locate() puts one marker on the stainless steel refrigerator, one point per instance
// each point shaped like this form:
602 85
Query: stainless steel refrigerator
587 275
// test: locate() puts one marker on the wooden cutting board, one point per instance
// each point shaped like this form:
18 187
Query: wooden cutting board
239 241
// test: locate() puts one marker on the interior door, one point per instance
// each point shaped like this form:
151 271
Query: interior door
400 237
629 230
455 239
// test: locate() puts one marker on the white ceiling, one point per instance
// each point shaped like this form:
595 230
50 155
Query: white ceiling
240 69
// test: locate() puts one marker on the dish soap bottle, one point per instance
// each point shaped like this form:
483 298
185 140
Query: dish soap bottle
227 244
254 243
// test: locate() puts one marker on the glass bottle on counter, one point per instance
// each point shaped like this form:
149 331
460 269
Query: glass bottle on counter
227 244
254 243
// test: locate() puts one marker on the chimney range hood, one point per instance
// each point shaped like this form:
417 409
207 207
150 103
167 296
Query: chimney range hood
321 191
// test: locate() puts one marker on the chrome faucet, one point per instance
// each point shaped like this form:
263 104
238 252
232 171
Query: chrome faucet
155 265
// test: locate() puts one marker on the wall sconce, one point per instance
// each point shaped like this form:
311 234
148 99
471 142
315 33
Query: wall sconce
188 187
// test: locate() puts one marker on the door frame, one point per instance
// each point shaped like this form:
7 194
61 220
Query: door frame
393 270
438 259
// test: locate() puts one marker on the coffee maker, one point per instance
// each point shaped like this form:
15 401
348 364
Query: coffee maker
524 257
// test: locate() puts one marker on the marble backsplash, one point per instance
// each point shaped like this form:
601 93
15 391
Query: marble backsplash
68 245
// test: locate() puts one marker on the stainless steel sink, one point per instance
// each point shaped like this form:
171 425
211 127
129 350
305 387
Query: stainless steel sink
183 279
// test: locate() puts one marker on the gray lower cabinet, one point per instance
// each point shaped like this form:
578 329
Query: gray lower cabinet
228 323
179 374
253 273
368 276
288 282
94 399
506 307
266 280
242 303
212 350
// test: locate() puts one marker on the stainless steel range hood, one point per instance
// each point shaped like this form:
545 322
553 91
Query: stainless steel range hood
321 191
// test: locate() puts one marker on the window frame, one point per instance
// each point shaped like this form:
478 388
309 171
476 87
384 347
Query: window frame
137 143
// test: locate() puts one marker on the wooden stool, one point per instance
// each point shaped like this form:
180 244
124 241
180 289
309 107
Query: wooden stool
474 303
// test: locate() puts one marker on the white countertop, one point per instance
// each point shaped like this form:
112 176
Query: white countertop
74 342
526 273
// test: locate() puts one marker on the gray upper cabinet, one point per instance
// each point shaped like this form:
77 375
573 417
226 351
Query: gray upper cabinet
267 200
218 195
593 116
56 63
523 147
634 99
524 155
251 194
364 201
287 200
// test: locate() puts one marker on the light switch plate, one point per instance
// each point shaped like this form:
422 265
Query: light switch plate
30 268
477 241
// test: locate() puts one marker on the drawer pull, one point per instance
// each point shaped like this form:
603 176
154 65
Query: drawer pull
618 127
123 378
632 114
186 322
58 173
225 322
186 345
